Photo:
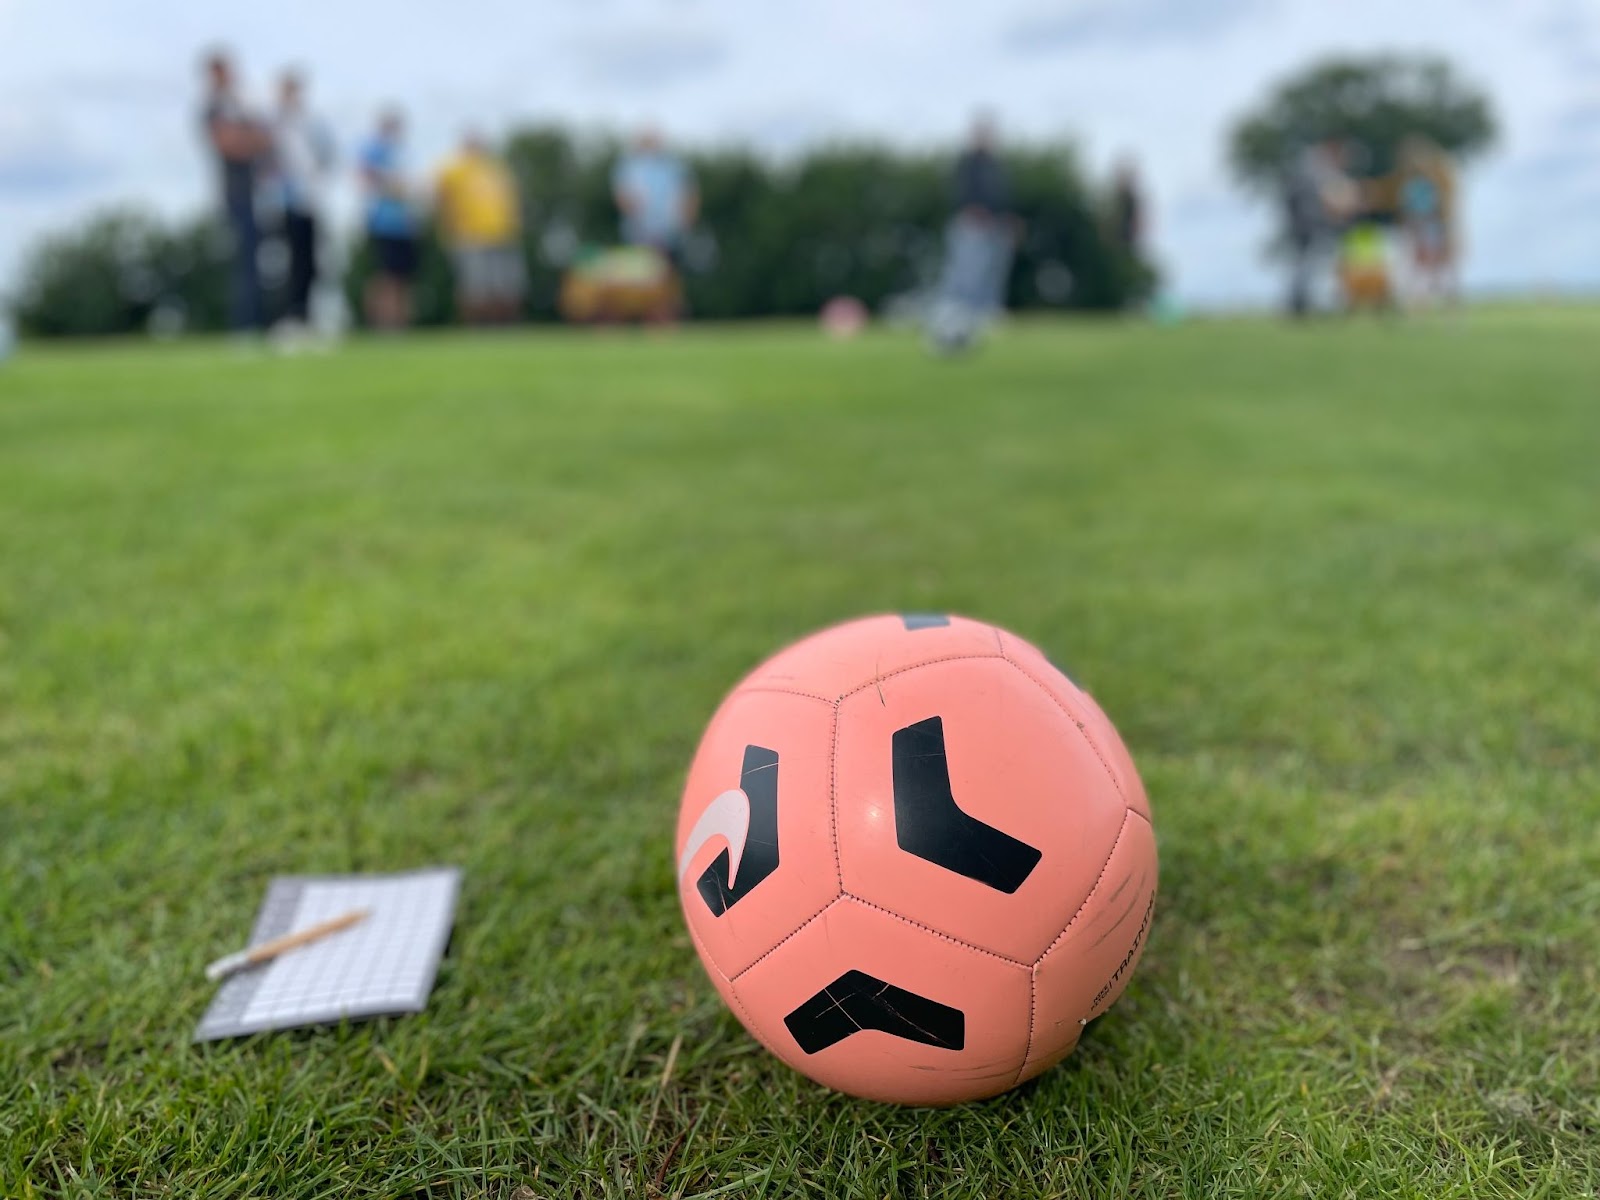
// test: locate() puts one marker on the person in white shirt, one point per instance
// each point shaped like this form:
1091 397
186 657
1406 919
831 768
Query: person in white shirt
303 158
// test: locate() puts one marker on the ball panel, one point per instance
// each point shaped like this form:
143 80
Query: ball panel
718 979
755 839
1084 709
966 799
836 660
1099 729
1086 970
730 997
873 1005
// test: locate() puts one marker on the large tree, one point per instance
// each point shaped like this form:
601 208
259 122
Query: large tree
1375 102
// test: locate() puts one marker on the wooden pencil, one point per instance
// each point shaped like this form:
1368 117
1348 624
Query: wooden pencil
268 950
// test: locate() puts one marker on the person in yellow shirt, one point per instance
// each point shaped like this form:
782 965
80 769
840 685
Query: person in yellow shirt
479 216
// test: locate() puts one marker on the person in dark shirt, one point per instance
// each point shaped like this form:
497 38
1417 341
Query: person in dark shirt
978 245
240 144
1127 208
982 190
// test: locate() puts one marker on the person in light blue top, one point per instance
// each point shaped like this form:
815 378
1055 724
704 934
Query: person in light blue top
391 224
656 195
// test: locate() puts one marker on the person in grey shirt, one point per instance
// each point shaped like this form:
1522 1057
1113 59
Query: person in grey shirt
1319 197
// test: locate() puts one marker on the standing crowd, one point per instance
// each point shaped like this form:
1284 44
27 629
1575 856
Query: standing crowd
275 171
1384 241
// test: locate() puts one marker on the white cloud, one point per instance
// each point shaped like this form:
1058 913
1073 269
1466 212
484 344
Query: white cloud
105 93
1129 23
648 58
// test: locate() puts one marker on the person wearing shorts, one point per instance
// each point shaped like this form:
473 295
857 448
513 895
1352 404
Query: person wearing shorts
478 211
490 282
391 225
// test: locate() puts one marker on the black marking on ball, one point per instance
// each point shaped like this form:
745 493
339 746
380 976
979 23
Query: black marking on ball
929 823
857 1001
915 621
759 779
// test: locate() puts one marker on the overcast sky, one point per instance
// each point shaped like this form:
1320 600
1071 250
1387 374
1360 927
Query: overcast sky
97 97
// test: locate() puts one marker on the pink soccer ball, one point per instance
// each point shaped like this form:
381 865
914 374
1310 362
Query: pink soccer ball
915 858
843 317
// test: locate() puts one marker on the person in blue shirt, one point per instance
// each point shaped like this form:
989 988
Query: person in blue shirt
656 196
391 223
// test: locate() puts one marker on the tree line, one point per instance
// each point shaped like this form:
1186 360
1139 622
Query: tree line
774 239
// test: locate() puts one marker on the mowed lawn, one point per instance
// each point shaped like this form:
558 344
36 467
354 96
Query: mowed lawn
471 600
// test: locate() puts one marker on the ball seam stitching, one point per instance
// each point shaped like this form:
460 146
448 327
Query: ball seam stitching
1066 929
917 666
1076 724
737 975
849 895
833 800
705 954
1033 1003
766 687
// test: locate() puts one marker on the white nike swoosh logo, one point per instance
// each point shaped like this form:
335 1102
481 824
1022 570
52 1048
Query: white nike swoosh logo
727 817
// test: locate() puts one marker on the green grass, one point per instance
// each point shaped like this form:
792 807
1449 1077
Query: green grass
472 600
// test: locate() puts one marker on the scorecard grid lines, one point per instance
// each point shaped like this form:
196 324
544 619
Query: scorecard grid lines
383 965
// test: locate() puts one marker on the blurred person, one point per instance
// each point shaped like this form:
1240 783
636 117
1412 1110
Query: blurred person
656 195
981 187
240 143
1319 199
1425 202
478 212
979 241
984 216
303 159
1127 209
391 225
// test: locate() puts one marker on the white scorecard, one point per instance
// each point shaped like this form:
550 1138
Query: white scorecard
381 965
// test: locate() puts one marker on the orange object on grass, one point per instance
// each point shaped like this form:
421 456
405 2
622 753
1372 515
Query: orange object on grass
915 858
623 283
